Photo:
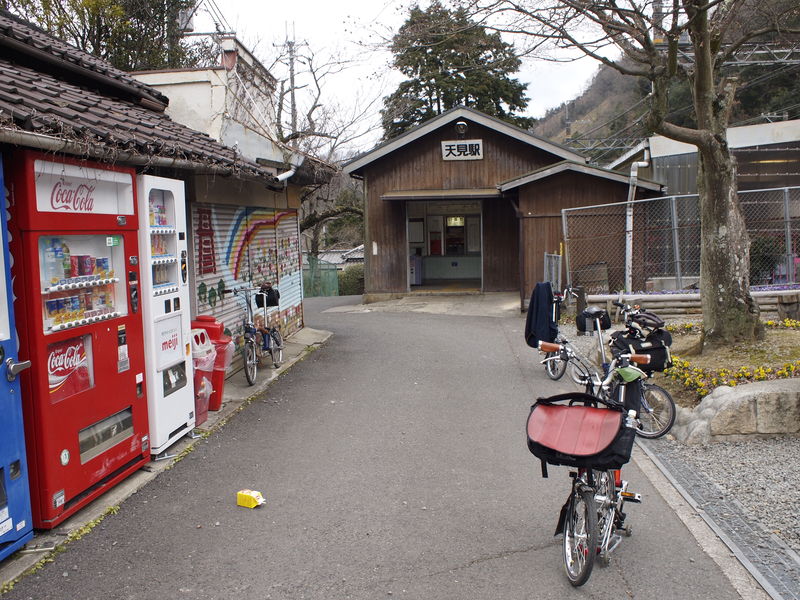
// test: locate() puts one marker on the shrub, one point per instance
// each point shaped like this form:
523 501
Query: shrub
351 280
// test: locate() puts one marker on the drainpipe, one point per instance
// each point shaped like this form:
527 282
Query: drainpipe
292 169
286 174
629 219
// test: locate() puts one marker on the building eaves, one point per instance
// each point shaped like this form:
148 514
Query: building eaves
449 116
36 48
40 109
572 167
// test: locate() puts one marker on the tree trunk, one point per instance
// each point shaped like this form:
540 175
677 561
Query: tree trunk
729 312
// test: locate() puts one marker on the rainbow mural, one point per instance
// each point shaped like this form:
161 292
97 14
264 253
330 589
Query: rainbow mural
247 223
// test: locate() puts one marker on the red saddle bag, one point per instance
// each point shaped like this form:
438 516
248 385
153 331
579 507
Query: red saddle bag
579 430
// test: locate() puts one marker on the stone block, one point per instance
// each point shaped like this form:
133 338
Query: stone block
778 412
735 416
698 432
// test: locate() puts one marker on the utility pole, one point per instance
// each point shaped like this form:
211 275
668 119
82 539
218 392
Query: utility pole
292 100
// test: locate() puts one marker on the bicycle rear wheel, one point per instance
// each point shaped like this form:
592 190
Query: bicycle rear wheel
554 366
580 536
657 413
250 361
276 348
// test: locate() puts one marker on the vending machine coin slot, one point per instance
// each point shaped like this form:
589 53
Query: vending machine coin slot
15 470
176 304
133 283
184 269
167 306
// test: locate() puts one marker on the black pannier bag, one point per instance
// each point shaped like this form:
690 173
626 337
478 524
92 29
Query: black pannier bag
572 430
586 320
656 345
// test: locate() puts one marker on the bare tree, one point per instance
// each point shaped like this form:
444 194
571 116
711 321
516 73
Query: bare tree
661 43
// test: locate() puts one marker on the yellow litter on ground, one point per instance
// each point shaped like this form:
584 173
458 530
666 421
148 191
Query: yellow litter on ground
249 498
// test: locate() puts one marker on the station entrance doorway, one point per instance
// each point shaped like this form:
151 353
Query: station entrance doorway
445 246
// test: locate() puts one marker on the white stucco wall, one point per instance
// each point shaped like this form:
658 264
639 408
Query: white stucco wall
196 98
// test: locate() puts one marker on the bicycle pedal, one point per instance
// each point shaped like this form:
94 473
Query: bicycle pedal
631 497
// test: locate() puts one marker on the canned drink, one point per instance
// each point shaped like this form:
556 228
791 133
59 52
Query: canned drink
88 303
59 311
74 266
51 312
86 265
101 266
75 308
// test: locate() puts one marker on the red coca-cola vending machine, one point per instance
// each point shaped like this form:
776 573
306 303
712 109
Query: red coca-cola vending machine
75 254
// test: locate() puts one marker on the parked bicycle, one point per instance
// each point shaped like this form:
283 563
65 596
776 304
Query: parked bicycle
643 334
253 347
555 367
656 411
595 436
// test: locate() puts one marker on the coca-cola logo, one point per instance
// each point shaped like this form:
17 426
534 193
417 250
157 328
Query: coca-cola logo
64 361
77 199
171 343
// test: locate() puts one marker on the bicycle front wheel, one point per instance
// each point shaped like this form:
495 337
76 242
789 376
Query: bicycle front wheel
554 366
250 361
580 537
276 348
657 413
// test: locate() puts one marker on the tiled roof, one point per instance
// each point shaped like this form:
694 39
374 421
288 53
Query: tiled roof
23 37
81 106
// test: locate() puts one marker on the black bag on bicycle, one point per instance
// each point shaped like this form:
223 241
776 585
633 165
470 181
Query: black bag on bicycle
585 321
656 345
572 430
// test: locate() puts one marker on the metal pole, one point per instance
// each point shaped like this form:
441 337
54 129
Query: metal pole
676 248
790 275
565 230
629 247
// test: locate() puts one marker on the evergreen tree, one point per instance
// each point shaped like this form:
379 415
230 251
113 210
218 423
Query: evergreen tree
451 61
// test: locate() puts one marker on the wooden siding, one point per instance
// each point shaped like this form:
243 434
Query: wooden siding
500 246
540 206
420 166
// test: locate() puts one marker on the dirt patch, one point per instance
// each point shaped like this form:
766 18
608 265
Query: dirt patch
779 347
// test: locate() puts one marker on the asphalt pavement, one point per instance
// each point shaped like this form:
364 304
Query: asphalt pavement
393 463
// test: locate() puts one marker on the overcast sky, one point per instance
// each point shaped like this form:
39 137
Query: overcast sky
352 29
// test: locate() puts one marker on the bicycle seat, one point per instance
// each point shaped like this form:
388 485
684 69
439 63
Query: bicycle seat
594 312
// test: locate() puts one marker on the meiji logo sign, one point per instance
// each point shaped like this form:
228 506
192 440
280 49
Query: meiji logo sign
171 343
67 196
168 347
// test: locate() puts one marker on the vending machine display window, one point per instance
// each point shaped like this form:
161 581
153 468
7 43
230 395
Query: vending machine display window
80 279
97 438
163 251
70 367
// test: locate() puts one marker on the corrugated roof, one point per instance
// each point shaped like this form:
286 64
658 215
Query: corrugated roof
80 107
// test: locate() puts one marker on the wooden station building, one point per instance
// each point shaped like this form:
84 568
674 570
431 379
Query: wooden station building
466 201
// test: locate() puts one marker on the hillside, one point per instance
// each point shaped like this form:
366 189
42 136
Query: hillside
612 104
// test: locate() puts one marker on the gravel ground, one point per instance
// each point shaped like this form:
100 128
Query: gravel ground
762 475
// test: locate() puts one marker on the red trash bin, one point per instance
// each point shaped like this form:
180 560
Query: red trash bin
203 359
213 327
224 356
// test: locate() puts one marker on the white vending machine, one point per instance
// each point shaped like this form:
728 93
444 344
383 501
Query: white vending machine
165 307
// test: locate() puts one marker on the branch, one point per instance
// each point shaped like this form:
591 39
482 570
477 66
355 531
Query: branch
316 218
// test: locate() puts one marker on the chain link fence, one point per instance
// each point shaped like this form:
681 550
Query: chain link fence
320 278
654 244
